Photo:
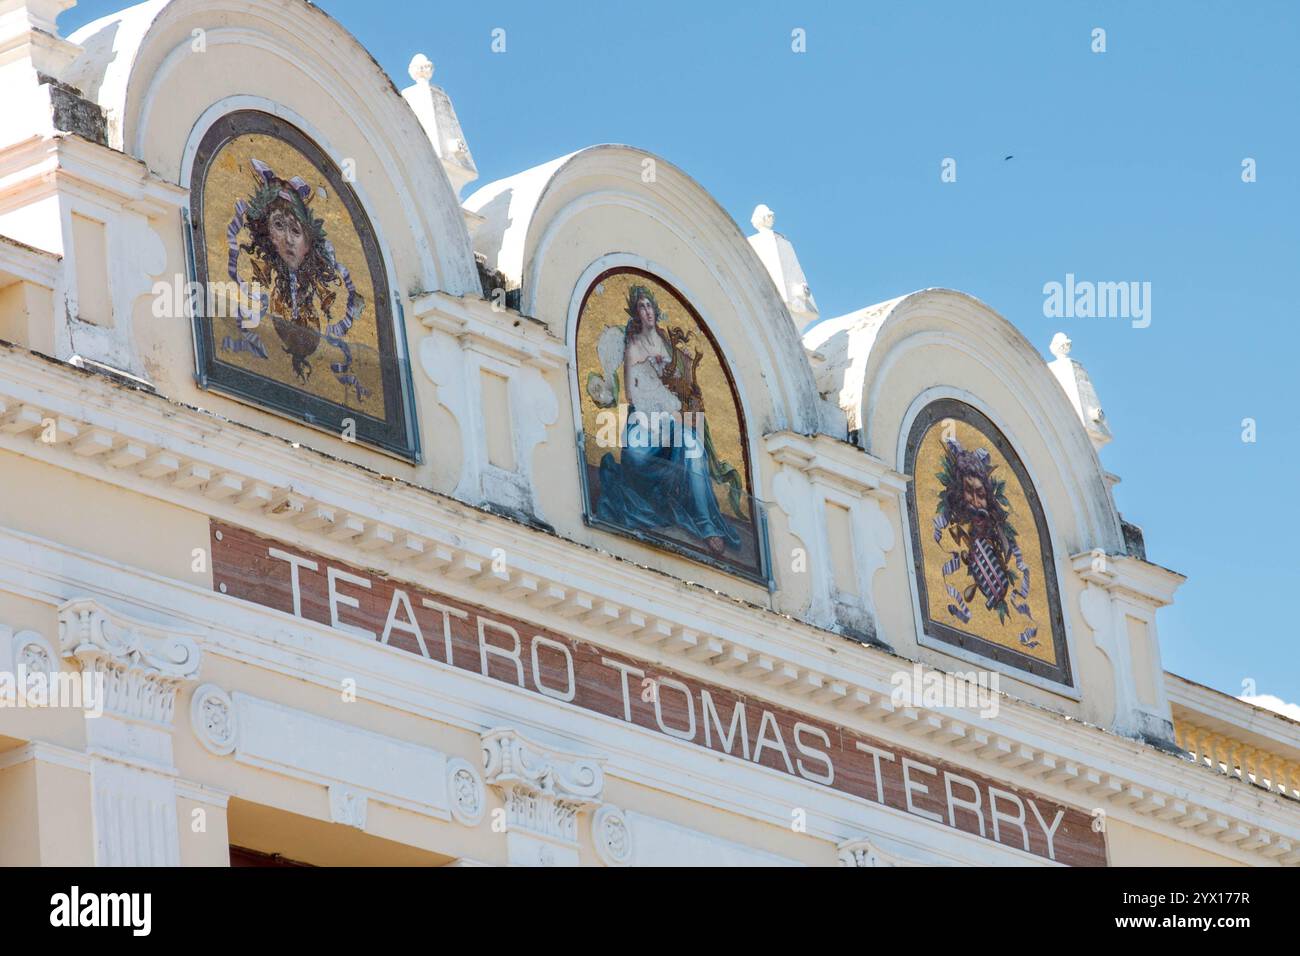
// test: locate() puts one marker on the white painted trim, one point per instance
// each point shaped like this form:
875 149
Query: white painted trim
680 205
138 71
46 752
657 842
203 793
298 744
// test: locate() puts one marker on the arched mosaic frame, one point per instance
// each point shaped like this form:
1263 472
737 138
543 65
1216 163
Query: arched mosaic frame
349 376
746 555
942 537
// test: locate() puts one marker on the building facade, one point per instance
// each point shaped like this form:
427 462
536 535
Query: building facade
378 526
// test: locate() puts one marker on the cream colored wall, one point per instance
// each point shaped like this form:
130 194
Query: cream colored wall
67 830
795 587
60 725
272 812
258 787
19 833
1144 674
87 515
783 841
204 835
45 816
320 843
97 519
27 316
1133 846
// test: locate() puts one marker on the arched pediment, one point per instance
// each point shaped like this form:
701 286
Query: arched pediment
546 228
880 362
150 68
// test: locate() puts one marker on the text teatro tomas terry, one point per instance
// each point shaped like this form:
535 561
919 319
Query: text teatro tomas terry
538 660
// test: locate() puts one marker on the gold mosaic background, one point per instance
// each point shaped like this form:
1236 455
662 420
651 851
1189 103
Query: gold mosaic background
983 623
230 177
607 305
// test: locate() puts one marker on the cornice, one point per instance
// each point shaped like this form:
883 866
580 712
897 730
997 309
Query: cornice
41 166
195 460
835 462
1223 713
46 752
29 264
1035 750
1121 573
476 323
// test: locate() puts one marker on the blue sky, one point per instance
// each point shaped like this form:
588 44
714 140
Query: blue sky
1127 166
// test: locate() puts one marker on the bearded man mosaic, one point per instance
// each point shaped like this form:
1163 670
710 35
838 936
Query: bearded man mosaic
664 456
296 314
985 572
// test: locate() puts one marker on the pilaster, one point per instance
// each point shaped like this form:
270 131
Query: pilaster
139 669
820 475
1119 602
545 790
491 345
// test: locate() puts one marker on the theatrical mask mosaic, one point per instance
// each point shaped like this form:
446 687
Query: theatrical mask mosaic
664 453
296 312
984 568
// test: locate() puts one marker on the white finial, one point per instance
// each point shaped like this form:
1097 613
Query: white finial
1060 346
763 217
1079 390
420 68
432 107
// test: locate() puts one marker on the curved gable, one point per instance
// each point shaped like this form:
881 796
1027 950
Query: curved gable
148 67
664 450
545 228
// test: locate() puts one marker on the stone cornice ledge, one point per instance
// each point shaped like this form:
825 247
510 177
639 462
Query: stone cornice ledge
29 264
1024 745
187 457
1149 583
836 462
506 334
1270 728
28 166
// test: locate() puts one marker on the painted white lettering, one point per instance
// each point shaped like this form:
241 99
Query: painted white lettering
447 613
571 690
624 669
1049 832
954 802
876 757
911 786
775 741
410 625
829 776
295 563
689 733
334 575
998 815
737 720
496 650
